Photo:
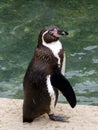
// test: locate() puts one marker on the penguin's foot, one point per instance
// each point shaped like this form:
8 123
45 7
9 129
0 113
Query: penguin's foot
57 118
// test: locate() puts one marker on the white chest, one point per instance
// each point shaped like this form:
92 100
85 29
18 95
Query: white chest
55 47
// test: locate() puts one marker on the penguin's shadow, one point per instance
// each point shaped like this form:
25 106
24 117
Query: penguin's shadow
67 119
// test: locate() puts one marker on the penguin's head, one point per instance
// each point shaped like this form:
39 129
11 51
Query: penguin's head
51 34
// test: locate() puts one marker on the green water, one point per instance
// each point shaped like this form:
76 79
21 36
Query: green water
20 24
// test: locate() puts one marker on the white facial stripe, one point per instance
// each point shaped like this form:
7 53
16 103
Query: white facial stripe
52 94
55 47
43 35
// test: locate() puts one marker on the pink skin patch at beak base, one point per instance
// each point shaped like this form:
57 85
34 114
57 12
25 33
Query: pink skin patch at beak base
55 33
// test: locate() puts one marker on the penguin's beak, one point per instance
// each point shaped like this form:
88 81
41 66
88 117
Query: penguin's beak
57 32
62 33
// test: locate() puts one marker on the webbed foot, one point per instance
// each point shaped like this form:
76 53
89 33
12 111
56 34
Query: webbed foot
57 118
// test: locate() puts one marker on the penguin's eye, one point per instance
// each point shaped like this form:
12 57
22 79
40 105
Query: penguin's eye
51 31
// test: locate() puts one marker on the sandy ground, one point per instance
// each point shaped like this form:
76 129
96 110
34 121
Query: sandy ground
80 118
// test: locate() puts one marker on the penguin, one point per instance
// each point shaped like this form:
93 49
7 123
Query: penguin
44 77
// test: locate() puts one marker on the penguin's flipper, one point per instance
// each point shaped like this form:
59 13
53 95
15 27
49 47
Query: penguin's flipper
60 82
